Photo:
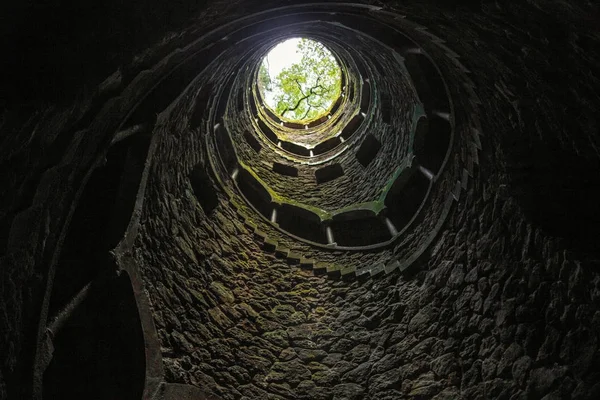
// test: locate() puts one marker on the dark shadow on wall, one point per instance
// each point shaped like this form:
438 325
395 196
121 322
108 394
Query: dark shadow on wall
559 191
285 169
255 193
99 353
98 350
359 231
302 223
368 150
204 189
328 173
405 197
60 48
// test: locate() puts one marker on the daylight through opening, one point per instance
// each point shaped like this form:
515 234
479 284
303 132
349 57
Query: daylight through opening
299 80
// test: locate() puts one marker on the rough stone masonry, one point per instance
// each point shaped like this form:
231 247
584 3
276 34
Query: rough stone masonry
115 283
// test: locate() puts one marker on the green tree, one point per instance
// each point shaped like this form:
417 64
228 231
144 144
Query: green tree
305 90
264 79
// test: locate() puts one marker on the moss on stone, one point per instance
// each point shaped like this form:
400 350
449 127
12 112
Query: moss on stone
224 294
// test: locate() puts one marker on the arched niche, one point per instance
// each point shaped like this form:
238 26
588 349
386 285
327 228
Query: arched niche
253 109
359 228
336 106
328 173
203 188
270 114
327 145
428 83
252 141
295 148
432 139
351 126
405 196
225 146
201 107
254 192
368 150
301 222
293 125
267 131
365 99
284 169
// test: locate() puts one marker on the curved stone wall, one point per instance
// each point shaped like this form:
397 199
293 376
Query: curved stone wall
142 256
291 182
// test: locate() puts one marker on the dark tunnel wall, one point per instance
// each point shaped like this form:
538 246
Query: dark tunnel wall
504 304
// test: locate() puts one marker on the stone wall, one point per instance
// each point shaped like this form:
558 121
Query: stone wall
506 305
501 308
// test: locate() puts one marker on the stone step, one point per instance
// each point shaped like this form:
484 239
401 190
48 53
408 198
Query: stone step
363 270
260 234
320 267
392 266
294 258
307 262
250 224
348 272
333 270
270 245
282 252
377 269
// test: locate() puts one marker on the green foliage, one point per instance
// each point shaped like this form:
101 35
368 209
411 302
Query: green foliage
306 90
264 80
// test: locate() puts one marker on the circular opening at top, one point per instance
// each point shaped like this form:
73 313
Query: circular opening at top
299 80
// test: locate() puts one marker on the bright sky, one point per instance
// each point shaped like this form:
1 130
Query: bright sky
283 55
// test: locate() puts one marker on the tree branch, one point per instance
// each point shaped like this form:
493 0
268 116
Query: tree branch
300 87
311 93
296 106
307 111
